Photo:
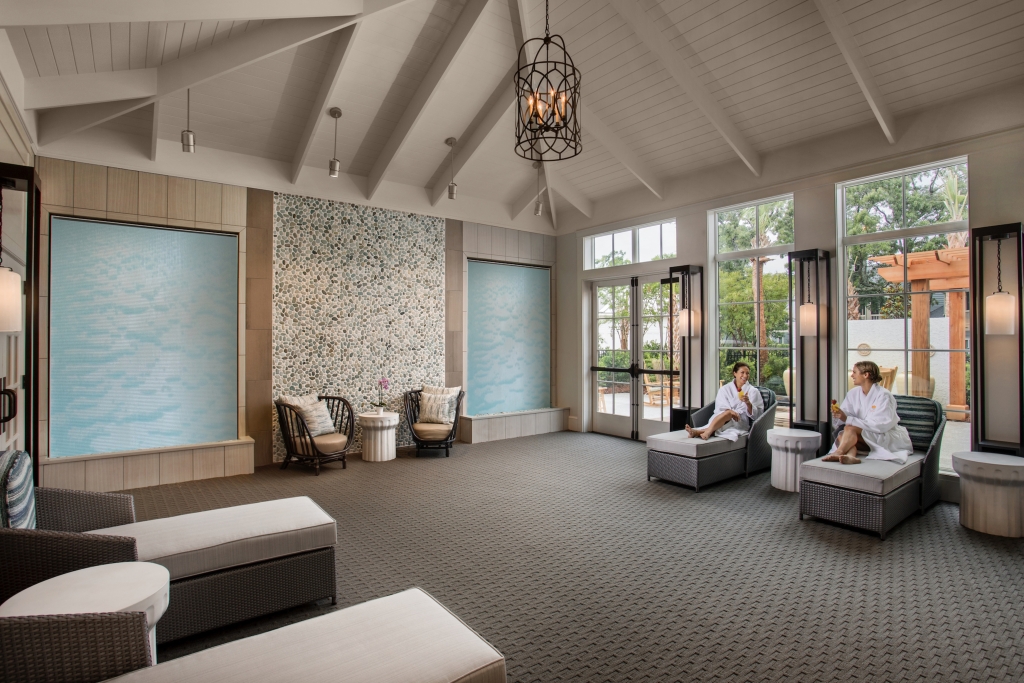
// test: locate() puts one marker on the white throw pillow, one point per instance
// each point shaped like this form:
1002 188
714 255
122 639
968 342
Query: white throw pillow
299 400
314 411
435 409
452 393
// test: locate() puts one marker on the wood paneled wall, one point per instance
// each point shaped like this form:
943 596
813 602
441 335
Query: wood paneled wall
259 279
93 191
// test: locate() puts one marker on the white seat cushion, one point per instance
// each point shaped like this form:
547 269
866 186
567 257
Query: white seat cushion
679 443
871 476
203 542
404 638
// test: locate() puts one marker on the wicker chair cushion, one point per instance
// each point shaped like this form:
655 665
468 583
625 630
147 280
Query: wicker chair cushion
17 491
432 432
921 418
870 476
331 443
404 637
679 443
203 542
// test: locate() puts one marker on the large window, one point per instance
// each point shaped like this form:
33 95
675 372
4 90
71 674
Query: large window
906 269
640 244
752 289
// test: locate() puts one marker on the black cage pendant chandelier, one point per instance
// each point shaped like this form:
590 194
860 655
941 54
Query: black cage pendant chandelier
548 96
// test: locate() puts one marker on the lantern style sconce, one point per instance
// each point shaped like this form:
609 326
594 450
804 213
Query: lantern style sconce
685 343
808 380
997 347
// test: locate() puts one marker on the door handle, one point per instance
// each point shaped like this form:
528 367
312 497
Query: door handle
10 405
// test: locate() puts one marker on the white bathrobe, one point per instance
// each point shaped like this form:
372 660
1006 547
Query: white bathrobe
729 399
875 414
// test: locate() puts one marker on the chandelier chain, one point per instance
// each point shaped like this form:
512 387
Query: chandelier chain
547 22
999 264
808 284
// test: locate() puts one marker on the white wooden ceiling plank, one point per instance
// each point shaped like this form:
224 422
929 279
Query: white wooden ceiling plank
783 46
681 71
694 14
172 41
49 12
155 44
237 28
207 31
789 54
958 56
943 82
81 47
921 29
796 133
99 35
190 37
23 51
847 106
919 98
799 99
875 12
63 52
974 29
138 40
747 32
120 46
813 69
223 31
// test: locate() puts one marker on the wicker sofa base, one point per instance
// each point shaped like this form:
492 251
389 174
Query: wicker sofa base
208 601
695 472
859 509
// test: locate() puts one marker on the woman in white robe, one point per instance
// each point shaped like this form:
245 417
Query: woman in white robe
871 422
735 408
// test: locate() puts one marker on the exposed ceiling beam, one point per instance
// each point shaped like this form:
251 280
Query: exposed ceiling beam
50 12
832 13
154 131
48 92
497 106
342 50
527 198
426 91
656 42
549 180
596 128
569 192
190 71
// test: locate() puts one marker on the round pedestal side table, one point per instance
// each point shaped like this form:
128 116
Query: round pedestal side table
116 587
378 435
991 492
790 447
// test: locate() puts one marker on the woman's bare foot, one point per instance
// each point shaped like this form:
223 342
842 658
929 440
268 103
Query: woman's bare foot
691 431
846 459
832 457
705 434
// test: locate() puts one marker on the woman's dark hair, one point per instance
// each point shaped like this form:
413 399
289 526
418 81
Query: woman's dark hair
870 369
738 365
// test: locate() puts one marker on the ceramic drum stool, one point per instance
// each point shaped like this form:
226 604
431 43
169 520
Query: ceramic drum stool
790 447
378 435
991 492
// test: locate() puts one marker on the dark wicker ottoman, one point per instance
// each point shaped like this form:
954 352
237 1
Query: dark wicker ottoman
695 472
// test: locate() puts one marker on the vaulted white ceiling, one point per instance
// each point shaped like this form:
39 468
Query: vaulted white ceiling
669 86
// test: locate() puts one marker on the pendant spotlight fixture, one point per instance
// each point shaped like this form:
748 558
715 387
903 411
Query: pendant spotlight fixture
10 286
538 207
452 187
1000 306
334 166
548 99
808 313
188 138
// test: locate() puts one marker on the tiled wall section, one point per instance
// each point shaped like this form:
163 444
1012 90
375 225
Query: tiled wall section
94 191
358 292
512 425
464 241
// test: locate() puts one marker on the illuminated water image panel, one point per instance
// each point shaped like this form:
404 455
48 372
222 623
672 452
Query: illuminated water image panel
509 338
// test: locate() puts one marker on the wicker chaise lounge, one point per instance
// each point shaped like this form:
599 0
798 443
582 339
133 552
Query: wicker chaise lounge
696 463
876 495
427 435
226 565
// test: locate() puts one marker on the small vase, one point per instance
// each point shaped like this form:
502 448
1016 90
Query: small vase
380 410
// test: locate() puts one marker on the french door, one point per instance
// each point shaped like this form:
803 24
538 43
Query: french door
632 363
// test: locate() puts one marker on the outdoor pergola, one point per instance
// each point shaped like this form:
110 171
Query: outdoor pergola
928 271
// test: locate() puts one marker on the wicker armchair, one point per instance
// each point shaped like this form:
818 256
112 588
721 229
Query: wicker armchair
72 648
428 435
896 492
300 445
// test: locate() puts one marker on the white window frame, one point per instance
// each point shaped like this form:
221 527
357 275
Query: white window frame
712 276
588 248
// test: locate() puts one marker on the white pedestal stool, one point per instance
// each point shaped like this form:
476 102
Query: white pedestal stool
991 492
790 447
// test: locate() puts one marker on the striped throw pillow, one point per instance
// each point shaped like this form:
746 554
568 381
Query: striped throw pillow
17 491
451 392
436 409
317 417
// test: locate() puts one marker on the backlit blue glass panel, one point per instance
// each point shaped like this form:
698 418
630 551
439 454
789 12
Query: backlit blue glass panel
143 337
509 338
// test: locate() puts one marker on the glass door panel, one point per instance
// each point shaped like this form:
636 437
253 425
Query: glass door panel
613 349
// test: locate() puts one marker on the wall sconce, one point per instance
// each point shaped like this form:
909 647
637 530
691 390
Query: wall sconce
808 380
685 343
1000 306
10 287
808 313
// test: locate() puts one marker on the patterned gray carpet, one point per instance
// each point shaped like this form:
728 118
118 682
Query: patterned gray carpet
558 550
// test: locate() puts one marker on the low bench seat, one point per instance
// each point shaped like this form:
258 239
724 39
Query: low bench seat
203 542
871 476
403 638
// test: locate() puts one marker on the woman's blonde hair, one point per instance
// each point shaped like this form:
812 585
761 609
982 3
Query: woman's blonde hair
870 369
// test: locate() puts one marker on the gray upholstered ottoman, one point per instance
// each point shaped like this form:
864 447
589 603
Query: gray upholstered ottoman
404 637
676 457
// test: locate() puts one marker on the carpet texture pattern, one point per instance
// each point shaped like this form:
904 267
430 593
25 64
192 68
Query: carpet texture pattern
557 550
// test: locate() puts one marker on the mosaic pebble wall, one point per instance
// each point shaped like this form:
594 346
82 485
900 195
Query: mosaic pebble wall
358 294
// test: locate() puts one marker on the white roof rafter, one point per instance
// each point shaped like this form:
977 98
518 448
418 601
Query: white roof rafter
56 12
